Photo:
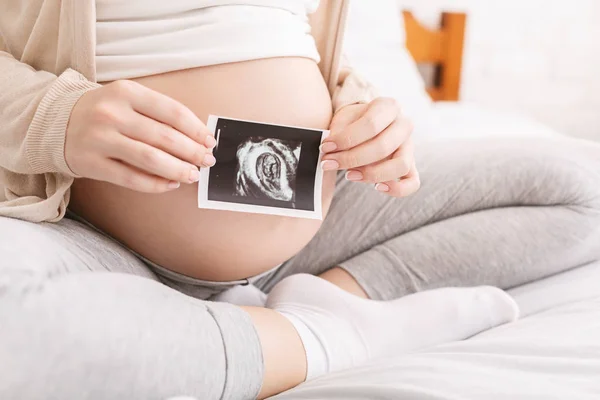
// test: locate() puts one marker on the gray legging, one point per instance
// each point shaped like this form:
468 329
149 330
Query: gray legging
82 318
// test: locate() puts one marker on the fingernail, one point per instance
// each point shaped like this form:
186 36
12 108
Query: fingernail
194 175
382 187
329 165
210 142
354 176
173 185
328 147
209 160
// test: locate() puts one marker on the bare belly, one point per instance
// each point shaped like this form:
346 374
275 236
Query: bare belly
169 229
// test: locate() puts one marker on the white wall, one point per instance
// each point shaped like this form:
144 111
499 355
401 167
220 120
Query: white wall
540 57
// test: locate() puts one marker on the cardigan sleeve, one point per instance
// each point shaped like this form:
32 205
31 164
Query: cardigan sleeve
35 107
351 88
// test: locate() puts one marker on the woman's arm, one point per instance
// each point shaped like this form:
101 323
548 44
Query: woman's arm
36 106
34 112
57 128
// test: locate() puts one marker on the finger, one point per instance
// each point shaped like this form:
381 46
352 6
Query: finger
346 116
379 115
154 161
168 139
398 166
372 151
132 178
403 187
164 109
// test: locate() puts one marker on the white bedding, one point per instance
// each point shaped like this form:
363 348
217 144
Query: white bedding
579 284
468 120
552 352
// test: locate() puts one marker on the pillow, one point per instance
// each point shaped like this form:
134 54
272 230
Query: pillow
375 47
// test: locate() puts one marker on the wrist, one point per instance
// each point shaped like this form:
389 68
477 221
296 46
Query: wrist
47 131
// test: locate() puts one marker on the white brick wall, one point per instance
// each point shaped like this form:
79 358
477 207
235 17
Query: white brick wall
539 57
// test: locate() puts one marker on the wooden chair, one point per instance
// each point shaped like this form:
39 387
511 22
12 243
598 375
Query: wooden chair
443 48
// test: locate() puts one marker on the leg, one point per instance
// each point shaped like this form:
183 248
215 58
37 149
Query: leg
84 327
495 212
340 330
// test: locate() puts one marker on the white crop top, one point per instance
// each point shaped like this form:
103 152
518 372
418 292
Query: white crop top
136 38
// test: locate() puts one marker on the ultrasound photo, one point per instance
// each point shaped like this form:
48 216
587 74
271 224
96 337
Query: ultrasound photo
263 168
267 168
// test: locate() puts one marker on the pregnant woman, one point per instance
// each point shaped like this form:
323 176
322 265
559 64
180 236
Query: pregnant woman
101 120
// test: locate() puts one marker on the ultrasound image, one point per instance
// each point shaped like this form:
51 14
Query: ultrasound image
267 168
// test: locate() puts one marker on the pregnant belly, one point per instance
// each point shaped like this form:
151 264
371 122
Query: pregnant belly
169 229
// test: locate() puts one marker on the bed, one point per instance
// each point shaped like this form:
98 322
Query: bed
553 351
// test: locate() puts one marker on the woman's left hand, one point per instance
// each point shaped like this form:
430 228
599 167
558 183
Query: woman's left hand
372 141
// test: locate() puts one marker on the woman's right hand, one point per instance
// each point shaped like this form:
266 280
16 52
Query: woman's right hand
135 137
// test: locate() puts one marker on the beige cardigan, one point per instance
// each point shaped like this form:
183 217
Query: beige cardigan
47 62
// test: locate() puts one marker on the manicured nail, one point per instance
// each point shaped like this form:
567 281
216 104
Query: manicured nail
194 175
173 185
354 176
209 160
382 187
328 147
210 142
329 165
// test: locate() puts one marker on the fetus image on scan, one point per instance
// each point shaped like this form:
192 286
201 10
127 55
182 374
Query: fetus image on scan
267 168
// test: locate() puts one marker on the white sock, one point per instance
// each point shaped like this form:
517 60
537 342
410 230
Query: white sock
340 330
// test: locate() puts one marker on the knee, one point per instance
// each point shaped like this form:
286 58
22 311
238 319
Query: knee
31 252
572 169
